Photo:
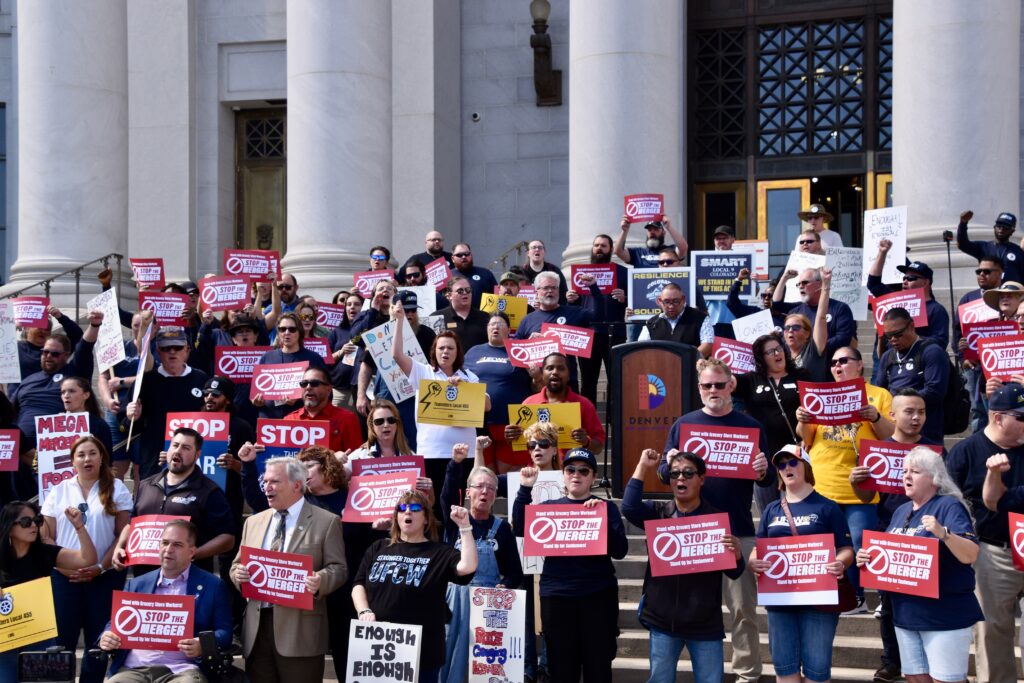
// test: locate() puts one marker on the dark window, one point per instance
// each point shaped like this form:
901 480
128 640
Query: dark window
719 80
265 138
884 83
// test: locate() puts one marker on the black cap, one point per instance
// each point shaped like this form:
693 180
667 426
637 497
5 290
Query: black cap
1007 219
408 299
189 286
580 454
218 385
724 230
921 269
242 322
654 225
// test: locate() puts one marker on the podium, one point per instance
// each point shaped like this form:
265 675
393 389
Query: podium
652 384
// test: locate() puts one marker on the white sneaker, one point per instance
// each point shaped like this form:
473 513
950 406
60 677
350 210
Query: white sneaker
861 608
878 611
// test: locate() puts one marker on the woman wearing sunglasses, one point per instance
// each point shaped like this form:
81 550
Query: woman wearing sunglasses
833 450
807 348
82 597
800 637
344 350
579 595
288 348
25 557
307 312
383 591
541 448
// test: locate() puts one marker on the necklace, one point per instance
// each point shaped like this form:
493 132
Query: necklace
899 361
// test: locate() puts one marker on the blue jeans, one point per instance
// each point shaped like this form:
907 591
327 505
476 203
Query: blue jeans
705 655
802 638
858 517
979 404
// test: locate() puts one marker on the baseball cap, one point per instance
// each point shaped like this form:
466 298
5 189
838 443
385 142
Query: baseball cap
242 322
724 230
219 385
1008 219
509 275
654 225
171 336
793 451
921 269
189 286
1009 397
408 299
580 455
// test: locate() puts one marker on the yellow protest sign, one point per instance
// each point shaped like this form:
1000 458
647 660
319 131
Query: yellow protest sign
453 405
512 306
26 614
565 415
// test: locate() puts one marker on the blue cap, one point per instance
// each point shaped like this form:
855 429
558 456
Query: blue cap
1007 397
1007 219
580 454
921 269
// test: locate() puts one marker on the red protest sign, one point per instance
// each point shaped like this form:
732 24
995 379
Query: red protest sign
566 529
373 496
912 300
604 274
278 382
1017 539
329 315
237 362
401 463
211 426
525 353
10 440
688 545
30 311
975 332
833 403
148 272
644 207
797 573
728 452
320 347
884 460
576 341
901 564
167 307
739 356
143 544
365 281
144 621
277 578
1002 357
438 272
288 437
975 312
224 292
253 264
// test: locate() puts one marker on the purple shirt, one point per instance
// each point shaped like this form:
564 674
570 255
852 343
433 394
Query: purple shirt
176 661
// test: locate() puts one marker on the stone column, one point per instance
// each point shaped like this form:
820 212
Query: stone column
626 113
72 135
956 123
339 138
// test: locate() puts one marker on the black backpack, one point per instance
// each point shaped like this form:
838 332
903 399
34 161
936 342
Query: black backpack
956 404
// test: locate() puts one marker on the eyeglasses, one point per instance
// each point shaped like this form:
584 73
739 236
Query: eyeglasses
708 386
842 360
672 302
685 474
912 278
806 283
171 349
464 254
766 295
1016 416
483 487
26 522
537 247
381 421
307 316
287 330
668 262
983 271
898 333
582 471
311 383
285 287
774 351
410 507
789 462
792 328
378 257
435 239
543 443
547 288
807 241
413 274
463 290
48 352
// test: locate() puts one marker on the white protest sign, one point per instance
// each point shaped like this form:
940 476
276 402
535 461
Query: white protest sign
760 252
885 224
426 299
845 263
550 485
434 322
109 343
497 628
800 261
10 368
54 436
382 651
750 327
378 345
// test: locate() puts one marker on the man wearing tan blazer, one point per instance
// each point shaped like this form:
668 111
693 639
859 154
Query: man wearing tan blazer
283 644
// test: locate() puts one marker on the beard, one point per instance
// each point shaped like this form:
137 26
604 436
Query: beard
655 242
600 258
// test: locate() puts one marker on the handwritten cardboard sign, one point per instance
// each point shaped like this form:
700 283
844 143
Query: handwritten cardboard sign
55 434
889 223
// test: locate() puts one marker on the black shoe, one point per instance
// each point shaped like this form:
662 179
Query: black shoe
887 673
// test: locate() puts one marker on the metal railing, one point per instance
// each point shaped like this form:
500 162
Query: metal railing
76 272
518 248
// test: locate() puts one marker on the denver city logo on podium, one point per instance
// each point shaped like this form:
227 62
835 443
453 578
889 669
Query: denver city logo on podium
651 392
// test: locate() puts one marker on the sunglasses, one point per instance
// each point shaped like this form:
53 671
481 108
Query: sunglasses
582 471
26 522
287 330
381 421
312 383
792 328
708 386
789 462
983 271
410 507
48 352
378 257
842 360
285 287
172 348
463 290
543 443
462 255
84 509
1016 416
808 241
897 334
775 351
685 474
911 278
766 295
806 283
413 275
668 262
307 316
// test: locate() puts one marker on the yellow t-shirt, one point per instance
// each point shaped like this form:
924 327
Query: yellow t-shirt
834 451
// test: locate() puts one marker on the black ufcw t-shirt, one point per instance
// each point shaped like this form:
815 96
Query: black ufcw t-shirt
406 583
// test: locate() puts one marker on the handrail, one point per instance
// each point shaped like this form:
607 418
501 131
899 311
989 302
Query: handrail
518 247
77 272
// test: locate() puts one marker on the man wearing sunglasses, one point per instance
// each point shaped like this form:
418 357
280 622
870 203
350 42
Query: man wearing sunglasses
480 279
647 255
1000 247
345 433
989 275
842 328
916 275
461 315
732 496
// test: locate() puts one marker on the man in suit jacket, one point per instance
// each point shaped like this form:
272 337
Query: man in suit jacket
284 643
176 576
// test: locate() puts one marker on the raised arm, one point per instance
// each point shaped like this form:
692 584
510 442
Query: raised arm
398 344
620 240
819 336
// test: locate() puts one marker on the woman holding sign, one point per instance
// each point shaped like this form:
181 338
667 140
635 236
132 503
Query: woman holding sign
935 634
288 348
800 637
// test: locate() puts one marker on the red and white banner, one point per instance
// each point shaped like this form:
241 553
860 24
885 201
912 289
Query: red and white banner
55 434
30 311
211 426
975 332
739 356
319 346
1017 539
374 496
263 265
576 341
167 307
237 362
644 207
833 403
329 315
797 573
10 440
566 529
277 578
144 533
401 463
688 545
437 272
884 460
144 621
1002 357
365 281
278 382
901 564
728 452
224 293
975 312
912 300
604 274
148 272
525 353
281 438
